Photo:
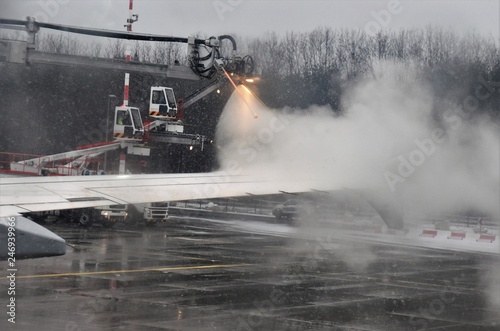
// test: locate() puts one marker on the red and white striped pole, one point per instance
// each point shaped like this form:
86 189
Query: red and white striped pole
121 165
126 88
128 51
130 15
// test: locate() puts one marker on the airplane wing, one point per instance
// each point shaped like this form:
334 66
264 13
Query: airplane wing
30 194
20 195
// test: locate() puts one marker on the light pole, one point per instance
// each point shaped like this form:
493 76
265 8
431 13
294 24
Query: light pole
110 97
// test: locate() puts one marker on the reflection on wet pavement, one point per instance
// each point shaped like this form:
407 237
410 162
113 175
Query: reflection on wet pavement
193 274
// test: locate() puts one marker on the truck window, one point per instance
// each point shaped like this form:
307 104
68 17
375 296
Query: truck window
171 98
121 117
137 118
158 97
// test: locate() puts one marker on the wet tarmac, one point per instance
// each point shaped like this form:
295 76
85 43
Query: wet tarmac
197 274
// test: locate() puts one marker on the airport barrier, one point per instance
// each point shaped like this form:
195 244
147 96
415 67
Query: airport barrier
429 233
486 237
457 235
192 212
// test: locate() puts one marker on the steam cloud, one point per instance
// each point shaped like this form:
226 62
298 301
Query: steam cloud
394 137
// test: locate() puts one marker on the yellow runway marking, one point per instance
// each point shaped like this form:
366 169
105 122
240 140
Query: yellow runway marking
215 266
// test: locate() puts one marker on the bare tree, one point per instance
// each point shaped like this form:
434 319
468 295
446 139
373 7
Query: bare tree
115 49
291 54
61 43
95 49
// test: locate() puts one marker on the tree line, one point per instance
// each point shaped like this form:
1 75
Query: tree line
303 68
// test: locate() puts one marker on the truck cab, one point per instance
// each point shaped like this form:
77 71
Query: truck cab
128 124
149 213
110 215
164 111
162 103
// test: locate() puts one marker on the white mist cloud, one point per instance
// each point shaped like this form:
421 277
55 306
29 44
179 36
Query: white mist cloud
388 140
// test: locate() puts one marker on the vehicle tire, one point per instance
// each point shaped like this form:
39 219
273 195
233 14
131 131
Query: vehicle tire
278 213
85 218
132 215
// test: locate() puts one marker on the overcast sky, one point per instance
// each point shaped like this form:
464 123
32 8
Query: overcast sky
253 17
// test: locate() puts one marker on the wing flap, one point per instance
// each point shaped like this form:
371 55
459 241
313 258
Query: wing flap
14 194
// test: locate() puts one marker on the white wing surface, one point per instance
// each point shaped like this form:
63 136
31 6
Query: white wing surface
30 194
